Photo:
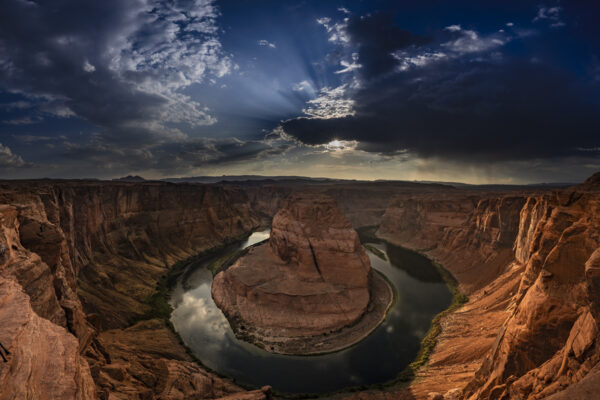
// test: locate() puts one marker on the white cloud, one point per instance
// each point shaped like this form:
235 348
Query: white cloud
149 52
304 86
550 14
465 42
331 103
349 66
453 28
341 146
471 42
337 31
510 24
87 67
16 105
168 47
28 120
8 159
420 60
267 44
33 138
344 10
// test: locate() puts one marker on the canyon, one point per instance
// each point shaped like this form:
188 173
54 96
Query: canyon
79 261
310 289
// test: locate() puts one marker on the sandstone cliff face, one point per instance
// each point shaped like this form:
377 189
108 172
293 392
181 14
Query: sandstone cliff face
470 234
311 278
88 255
44 360
146 360
145 228
363 203
550 339
537 256
312 234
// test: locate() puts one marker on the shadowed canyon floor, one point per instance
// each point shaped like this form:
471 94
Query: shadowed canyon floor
80 261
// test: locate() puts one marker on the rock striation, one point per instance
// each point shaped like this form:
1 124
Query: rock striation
44 361
78 258
529 262
311 278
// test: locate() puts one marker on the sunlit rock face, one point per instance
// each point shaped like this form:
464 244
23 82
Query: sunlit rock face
529 262
311 234
77 258
312 277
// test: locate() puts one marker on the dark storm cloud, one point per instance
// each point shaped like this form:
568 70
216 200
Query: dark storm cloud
459 98
171 157
376 38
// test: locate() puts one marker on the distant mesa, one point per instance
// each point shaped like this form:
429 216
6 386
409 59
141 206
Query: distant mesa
130 178
310 289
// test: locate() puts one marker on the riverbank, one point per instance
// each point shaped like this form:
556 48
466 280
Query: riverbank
411 298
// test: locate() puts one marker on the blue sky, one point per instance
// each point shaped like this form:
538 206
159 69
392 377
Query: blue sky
495 91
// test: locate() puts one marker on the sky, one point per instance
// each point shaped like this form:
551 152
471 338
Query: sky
463 91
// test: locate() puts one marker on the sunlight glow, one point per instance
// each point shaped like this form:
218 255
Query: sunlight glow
337 145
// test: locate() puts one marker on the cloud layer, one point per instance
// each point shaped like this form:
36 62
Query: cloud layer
119 65
370 89
455 95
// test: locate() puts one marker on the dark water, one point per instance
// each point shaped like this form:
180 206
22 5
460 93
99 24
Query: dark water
380 357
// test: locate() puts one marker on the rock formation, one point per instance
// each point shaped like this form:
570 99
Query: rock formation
529 262
79 257
78 260
44 361
311 278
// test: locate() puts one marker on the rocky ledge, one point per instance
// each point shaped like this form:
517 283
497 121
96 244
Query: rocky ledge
310 289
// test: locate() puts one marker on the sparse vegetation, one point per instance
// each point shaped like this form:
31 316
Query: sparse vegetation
216 265
430 340
160 308
158 301
375 251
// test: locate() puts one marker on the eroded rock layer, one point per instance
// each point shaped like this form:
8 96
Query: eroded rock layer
529 263
77 258
311 278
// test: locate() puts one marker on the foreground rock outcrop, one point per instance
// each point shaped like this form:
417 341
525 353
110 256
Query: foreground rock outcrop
44 361
313 277
78 258
529 263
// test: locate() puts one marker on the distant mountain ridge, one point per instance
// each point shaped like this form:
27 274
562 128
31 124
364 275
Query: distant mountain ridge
295 178
130 178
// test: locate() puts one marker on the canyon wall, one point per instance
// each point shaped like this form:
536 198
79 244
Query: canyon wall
83 258
79 260
530 263
363 203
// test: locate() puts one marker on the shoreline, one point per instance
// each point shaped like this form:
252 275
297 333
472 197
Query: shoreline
401 382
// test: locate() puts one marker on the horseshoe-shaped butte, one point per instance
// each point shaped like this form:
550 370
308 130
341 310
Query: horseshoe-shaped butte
310 289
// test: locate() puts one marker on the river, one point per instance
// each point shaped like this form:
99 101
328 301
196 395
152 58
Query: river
421 294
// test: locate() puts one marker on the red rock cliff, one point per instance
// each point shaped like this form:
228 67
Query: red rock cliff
311 278
81 257
529 263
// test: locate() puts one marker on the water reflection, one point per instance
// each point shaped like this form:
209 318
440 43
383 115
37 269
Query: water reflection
380 357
